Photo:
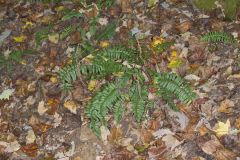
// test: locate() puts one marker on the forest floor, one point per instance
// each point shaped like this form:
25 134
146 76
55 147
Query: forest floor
38 121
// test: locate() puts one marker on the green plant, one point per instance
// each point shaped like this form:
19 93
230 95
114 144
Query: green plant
42 35
127 86
206 5
218 37
163 46
66 32
108 32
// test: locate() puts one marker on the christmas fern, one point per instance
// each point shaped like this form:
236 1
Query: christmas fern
127 87
218 37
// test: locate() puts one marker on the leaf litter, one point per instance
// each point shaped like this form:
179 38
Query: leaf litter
38 120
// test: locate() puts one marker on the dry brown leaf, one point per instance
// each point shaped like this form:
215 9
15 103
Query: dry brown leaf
202 130
147 136
184 26
125 5
210 147
52 104
115 135
30 149
237 123
71 106
224 154
226 106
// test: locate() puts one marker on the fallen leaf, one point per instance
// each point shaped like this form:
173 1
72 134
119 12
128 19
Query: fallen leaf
222 128
27 25
12 147
115 134
30 149
171 142
4 35
104 134
52 104
92 84
5 95
104 44
226 106
210 147
53 38
71 106
103 21
152 3
20 39
41 108
184 26
237 123
30 138
225 154
53 79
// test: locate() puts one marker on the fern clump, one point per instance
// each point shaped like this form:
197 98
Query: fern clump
218 37
128 87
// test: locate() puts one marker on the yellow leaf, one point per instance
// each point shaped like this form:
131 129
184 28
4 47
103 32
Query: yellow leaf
71 106
59 8
175 63
92 84
53 79
104 44
53 38
222 128
19 39
27 25
152 3
174 55
118 74
156 41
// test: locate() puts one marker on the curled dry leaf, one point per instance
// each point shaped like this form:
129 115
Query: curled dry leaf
71 106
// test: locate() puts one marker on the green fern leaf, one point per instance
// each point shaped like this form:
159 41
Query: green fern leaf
66 32
163 46
218 37
170 82
107 33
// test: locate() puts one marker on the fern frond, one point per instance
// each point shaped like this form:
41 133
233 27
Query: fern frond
138 101
67 76
66 32
163 46
117 53
107 33
170 82
101 104
42 35
118 109
218 37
